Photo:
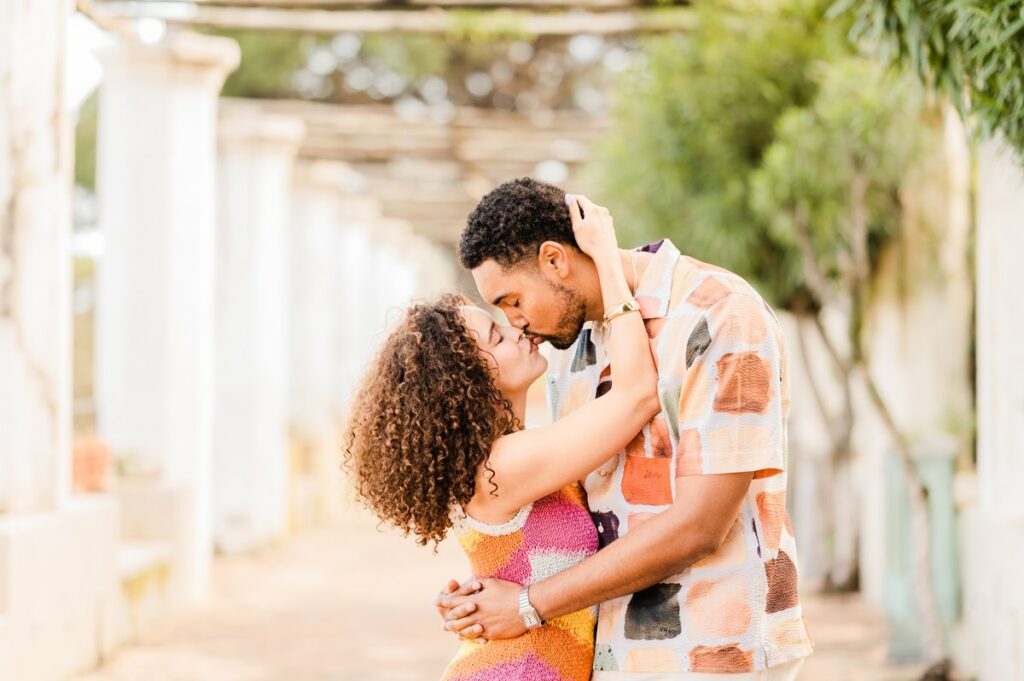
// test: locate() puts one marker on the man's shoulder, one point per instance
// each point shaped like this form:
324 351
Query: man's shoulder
712 286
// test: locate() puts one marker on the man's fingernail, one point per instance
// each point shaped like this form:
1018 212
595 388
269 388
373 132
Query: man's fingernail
569 199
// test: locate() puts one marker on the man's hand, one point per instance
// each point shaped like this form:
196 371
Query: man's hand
492 612
455 590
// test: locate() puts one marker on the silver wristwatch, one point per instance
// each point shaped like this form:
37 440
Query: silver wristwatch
527 613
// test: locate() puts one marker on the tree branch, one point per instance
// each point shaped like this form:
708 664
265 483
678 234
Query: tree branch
817 282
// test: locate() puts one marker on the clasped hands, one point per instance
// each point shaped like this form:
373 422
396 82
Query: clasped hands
485 609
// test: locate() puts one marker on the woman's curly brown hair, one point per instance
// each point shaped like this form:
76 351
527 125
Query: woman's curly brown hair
424 420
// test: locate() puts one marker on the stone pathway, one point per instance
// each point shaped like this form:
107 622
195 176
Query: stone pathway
349 603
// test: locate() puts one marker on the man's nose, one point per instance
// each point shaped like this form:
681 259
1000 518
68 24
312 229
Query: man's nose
515 319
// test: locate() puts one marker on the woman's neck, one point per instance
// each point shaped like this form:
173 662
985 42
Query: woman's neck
519 406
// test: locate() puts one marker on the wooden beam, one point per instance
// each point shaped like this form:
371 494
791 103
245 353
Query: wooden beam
433 20
590 5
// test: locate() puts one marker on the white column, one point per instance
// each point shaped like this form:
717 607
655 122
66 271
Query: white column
393 276
435 271
58 576
355 296
314 269
314 324
250 469
155 182
993 532
1000 314
35 282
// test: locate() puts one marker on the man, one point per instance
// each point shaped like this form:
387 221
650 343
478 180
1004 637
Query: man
696 577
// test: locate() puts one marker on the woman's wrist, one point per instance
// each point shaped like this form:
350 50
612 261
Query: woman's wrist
609 264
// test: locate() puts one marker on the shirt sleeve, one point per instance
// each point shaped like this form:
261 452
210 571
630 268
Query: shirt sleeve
733 398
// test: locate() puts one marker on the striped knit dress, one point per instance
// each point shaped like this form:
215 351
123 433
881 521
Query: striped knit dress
545 537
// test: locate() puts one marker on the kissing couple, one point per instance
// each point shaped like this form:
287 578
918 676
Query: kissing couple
643 534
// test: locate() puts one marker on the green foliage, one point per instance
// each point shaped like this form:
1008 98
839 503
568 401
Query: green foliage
486 25
85 142
269 58
728 136
693 124
411 56
971 50
862 126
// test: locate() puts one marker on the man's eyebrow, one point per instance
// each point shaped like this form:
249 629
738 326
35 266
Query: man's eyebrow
497 301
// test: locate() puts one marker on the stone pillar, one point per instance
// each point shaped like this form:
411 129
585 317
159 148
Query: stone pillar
58 575
35 281
993 532
393 276
1000 314
355 299
250 455
155 183
436 271
314 323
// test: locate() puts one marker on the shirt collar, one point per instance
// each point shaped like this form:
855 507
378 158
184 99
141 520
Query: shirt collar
656 282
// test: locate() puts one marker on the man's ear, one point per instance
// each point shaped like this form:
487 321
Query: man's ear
553 258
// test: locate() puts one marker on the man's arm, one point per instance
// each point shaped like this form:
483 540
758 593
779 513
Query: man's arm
694 526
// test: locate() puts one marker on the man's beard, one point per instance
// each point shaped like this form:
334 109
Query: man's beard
571 319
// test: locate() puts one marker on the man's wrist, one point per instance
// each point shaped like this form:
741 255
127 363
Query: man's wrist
541 601
527 613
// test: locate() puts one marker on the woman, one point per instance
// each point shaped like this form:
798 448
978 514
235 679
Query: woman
436 442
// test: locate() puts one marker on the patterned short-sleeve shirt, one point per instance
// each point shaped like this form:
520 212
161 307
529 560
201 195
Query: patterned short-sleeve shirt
724 389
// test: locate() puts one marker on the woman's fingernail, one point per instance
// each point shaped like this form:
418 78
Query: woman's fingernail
569 198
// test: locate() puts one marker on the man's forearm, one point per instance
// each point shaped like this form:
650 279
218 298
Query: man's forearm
662 547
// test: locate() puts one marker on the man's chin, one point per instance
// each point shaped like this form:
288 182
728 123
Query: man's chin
562 343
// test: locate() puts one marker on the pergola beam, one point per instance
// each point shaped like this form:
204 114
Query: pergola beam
589 5
497 22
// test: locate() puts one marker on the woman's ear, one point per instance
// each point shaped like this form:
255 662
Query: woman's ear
553 258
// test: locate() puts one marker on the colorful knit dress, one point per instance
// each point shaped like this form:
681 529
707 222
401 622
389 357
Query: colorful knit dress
545 537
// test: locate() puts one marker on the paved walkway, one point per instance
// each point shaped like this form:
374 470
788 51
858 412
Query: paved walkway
349 603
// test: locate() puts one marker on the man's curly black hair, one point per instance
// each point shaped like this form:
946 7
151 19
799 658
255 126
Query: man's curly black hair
512 221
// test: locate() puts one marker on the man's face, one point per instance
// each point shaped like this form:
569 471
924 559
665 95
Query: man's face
543 307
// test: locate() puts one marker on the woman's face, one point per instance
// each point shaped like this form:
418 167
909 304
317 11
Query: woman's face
506 350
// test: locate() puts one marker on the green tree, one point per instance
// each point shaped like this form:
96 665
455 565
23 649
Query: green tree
269 58
970 50
762 143
828 187
692 124
85 142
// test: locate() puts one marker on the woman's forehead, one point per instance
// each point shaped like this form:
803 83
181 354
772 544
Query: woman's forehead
476 316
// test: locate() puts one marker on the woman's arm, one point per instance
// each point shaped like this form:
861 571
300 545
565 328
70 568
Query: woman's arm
532 463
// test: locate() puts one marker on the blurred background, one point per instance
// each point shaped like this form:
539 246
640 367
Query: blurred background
211 209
